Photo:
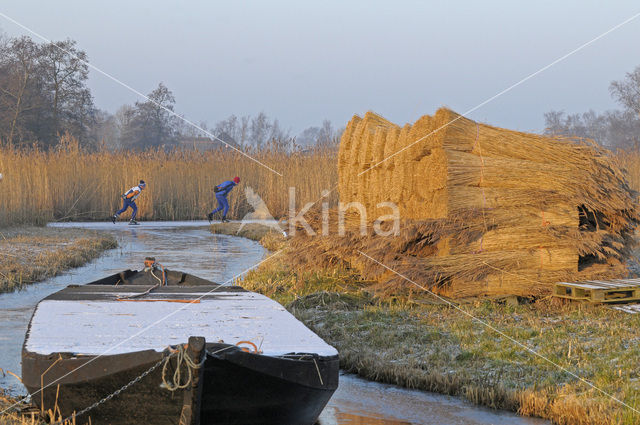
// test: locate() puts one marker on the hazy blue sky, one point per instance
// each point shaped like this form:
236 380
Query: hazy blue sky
303 62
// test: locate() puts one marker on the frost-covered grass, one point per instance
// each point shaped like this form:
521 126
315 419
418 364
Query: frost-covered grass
426 344
269 237
438 348
30 254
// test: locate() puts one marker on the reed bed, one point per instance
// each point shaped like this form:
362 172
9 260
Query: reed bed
69 183
629 161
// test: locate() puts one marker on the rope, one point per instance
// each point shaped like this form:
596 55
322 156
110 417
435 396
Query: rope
156 277
221 350
182 357
164 275
142 294
484 197
245 349
160 283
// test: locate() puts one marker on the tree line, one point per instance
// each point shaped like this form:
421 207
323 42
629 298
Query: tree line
615 129
44 94
43 91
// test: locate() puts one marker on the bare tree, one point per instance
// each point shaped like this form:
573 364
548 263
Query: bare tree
627 91
260 129
325 136
19 66
229 131
151 123
66 73
263 130
250 131
615 129
106 130
623 129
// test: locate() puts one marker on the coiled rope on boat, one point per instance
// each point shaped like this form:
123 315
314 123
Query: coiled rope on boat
182 358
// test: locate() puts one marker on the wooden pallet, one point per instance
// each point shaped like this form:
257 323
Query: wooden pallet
599 291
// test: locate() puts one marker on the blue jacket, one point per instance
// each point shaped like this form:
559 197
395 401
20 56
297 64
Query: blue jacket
225 188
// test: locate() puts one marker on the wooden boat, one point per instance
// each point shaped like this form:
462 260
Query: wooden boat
251 361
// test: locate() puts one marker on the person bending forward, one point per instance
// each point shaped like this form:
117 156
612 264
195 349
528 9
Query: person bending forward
222 190
129 200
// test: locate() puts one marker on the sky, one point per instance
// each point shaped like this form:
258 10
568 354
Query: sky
302 62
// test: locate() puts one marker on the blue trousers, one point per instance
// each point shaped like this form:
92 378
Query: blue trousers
126 204
223 205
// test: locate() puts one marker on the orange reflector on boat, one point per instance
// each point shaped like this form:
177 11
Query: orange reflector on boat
166 301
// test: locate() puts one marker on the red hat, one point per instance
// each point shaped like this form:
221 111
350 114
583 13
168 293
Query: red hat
236 180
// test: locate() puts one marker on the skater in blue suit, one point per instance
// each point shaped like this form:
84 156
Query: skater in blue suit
222 190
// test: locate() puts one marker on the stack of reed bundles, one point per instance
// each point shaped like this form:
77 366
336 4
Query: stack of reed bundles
496 211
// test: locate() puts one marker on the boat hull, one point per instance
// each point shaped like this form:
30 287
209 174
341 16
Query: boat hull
237 387
241 388
94 346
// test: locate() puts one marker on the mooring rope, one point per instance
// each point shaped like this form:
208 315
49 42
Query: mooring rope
182 357
142 294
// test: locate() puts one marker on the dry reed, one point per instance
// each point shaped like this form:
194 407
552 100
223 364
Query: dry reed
70 184
629 162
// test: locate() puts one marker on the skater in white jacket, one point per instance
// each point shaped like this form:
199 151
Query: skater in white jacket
129 200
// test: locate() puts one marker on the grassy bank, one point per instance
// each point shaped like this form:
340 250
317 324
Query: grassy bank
270 237
426 344
68 183
30 254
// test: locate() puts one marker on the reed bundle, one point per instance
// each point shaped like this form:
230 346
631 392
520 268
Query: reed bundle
493 211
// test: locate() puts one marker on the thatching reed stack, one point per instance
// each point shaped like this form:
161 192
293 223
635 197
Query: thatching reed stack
492 211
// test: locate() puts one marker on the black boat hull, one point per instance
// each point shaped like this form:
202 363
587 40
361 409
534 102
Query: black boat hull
231 387
241 388
237 387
